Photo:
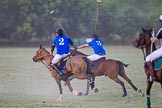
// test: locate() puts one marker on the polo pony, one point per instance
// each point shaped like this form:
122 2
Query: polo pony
76 66
112 69
144 42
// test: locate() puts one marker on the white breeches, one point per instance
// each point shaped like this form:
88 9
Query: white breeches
58 57
154 55
94 57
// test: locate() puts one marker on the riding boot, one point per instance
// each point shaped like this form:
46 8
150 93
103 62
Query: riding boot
151 70
58 70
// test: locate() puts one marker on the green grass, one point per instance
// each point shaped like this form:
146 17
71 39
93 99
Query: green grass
25 84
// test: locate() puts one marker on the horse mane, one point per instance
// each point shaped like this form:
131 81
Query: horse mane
149 31
46 50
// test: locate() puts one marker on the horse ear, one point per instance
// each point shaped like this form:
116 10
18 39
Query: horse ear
40 46
143 29
151 29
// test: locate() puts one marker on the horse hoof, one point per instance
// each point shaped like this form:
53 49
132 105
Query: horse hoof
80 94
140 91
148 107
86 94
60 99
96 90
124 95
143 95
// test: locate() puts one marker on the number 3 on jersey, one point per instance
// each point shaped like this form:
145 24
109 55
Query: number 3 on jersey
99 43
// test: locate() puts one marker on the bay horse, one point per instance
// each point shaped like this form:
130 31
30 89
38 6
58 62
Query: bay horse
111 68
144 42
76 66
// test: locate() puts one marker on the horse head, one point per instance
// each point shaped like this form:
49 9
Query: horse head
40 54
144 39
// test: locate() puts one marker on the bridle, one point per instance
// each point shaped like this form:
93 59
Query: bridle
143 46
41 58
144 54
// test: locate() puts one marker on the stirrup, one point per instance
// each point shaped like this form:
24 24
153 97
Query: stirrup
58 71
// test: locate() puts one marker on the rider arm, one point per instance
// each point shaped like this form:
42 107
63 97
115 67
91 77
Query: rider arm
72 43
82 46
158 35
155 39
52 48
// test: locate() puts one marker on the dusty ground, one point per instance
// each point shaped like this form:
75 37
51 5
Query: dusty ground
25 84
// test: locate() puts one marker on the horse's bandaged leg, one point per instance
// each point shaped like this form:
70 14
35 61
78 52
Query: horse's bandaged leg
75 92
60 97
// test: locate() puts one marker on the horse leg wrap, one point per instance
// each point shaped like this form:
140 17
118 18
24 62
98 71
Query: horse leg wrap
148 102
60 97
75 92
91 81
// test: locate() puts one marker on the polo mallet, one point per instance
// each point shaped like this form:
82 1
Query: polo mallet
97 12
58 22
153 35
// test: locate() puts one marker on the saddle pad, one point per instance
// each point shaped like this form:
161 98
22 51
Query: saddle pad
63 65
158 64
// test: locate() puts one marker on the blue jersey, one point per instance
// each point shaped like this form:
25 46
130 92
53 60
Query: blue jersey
97 46
62 44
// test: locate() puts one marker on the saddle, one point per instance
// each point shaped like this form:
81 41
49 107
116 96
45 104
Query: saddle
62 64
96 63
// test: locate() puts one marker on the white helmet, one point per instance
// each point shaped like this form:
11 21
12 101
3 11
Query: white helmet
160 17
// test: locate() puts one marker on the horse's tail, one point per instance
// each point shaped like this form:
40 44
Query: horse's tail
125 65
121 65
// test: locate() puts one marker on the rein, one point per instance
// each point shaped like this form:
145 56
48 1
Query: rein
142 48
41 57
143 53
49 67
43 62
151 49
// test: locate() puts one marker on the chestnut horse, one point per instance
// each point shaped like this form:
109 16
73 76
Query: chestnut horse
112 69
144 41
76 66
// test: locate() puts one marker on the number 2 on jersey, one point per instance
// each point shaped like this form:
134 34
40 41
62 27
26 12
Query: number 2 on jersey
61 41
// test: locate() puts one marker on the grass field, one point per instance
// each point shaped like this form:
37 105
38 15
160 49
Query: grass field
25 84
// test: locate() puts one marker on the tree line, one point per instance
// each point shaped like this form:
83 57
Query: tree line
37 20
